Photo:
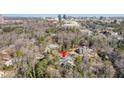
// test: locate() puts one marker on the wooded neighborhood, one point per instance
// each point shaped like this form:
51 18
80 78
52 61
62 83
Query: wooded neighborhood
61 47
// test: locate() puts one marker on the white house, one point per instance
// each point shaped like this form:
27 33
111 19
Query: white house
9 62
51 47
70 24
86 32
6 58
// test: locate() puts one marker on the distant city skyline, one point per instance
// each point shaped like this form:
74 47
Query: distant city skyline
55 15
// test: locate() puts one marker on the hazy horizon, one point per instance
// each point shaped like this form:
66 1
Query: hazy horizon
55 15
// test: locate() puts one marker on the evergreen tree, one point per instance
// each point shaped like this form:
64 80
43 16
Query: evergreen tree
64 17
60 19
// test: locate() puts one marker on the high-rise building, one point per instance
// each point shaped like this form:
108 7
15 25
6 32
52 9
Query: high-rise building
1 19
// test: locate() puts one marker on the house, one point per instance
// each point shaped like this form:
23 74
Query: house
6 57
9 62
51 47
53 51
70 24
86 32
67 60
115 34
51 20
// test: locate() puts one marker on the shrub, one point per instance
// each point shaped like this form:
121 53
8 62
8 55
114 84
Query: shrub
78 61
19 53
41 39
8 67
40 68
8 29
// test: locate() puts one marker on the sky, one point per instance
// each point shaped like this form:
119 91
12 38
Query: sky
55 15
